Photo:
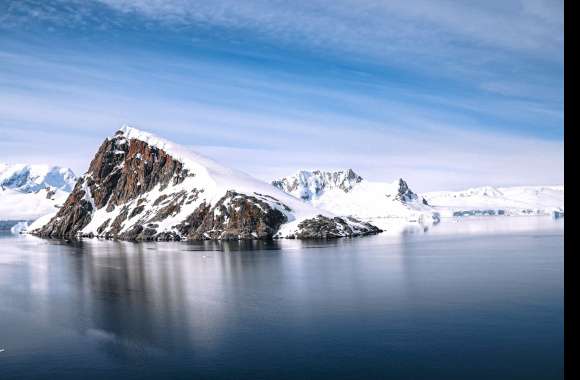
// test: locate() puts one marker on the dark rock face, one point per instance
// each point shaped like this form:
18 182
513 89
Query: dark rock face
73 216
193 221
239 216
121 171
50 192
323 227
124 169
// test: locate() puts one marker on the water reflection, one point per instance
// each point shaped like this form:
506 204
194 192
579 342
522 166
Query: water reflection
256 304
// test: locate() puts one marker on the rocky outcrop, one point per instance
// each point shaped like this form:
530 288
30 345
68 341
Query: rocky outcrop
239 216
323 227
135 189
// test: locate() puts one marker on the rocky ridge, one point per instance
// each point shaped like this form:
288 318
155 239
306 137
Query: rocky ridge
311 184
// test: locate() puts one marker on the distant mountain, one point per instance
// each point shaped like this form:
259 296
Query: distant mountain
347 193
142 187
309 185
32 178
488 200
30 191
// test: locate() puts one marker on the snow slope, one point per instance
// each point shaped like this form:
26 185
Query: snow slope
346 193
30 191
16 205
488 200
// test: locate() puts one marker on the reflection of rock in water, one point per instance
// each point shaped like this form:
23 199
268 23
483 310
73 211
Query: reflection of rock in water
165 295
123 308
415 228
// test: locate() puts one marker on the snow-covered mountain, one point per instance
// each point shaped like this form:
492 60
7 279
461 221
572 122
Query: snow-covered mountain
31 178
488 200
30 191
346 193
309 185
139 186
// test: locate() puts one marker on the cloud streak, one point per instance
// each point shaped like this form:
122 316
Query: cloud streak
447 95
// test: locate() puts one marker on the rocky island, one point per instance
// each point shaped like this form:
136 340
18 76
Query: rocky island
142 187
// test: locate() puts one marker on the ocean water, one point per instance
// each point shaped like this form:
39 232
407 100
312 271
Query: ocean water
478 298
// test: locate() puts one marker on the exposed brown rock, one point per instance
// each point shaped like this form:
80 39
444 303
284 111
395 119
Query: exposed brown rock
136 211
121 171
74 215
239 216
103 226
117 224
193 221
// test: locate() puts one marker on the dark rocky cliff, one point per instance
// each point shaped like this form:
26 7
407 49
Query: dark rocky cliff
120 171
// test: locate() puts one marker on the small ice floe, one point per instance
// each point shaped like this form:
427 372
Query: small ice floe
19 228
2 350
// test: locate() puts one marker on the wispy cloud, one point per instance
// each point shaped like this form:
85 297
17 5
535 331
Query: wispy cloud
447 94
523 25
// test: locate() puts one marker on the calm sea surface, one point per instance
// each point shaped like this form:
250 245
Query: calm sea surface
475 299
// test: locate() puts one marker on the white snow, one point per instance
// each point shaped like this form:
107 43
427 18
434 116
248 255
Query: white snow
518 200
39 222
17 205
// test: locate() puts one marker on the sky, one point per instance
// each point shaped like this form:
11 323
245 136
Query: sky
445 94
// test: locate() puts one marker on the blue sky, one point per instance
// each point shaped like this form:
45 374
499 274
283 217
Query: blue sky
447 94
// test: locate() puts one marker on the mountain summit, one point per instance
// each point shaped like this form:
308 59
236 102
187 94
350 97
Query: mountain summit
142 187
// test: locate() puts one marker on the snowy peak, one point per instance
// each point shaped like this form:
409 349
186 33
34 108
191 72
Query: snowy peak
32 178
404 193
311 184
